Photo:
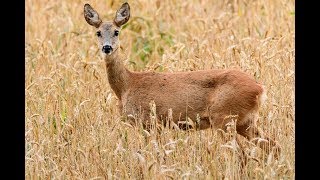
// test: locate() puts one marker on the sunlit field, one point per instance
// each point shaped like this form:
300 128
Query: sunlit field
74 129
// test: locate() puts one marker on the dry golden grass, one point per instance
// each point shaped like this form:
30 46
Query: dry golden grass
73 127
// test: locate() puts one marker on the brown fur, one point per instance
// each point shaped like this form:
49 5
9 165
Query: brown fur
213 94
209 94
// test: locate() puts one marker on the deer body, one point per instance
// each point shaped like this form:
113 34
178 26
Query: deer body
207 95
210 94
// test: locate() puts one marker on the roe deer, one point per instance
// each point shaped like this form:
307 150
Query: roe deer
206 95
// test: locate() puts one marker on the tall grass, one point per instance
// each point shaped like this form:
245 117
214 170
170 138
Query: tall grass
74 129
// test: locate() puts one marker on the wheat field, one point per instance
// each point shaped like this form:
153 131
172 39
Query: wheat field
74 129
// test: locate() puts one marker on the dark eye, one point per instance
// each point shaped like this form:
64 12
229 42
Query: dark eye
116 33
99 33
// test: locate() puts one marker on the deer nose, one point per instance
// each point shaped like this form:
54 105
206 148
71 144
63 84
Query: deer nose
107 49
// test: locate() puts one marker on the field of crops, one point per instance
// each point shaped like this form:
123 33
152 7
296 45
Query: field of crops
74 129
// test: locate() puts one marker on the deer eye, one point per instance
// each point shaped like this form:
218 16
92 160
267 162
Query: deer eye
116 33
99 33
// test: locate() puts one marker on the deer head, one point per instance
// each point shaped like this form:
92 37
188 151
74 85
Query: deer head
107 32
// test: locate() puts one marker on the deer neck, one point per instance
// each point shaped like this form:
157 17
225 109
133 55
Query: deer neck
118 75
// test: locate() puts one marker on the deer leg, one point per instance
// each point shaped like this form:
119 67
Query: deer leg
243 155
252 133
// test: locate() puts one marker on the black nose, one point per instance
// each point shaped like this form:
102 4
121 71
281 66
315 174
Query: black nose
107 49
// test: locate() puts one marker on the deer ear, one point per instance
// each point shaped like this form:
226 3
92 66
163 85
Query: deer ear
91 16
122 15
